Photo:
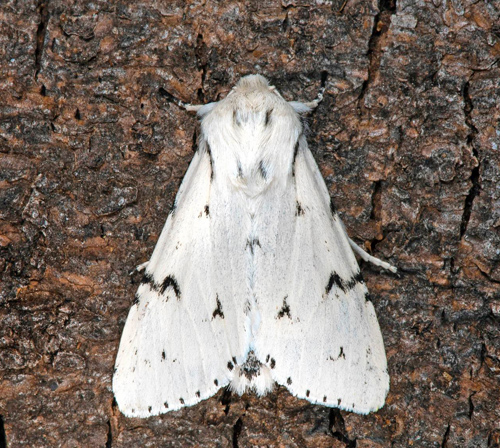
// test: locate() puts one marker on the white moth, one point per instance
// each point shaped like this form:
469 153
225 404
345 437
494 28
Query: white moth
253 280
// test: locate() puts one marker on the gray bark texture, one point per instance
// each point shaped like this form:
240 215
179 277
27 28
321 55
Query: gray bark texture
93 148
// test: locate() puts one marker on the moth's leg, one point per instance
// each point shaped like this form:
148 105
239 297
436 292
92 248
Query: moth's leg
315 103
141 267
191 107
367 257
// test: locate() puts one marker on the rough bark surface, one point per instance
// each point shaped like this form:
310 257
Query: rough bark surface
92 150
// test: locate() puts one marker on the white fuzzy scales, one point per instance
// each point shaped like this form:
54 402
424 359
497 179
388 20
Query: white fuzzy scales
253 280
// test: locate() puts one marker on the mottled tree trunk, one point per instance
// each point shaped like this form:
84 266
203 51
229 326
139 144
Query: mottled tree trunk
92 150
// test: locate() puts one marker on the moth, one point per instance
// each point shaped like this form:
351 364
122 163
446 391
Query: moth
253 280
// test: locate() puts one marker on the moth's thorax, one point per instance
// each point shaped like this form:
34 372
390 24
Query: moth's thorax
252 133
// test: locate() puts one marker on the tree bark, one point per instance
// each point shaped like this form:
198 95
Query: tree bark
93 147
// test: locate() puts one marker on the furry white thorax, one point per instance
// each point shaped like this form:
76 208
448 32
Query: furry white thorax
252 134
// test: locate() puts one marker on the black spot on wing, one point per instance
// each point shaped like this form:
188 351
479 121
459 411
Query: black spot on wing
166 405
268 117
230 366
334 280
296 149
308 392
170 282
216 382
342 354
136 300
181 400
324 399
173 207
147 279
368 297
163 354
240 169
344 285
339 401
289 381
273 363
333 210
356 279
251 367
207 210
150 409
285 310
262 170
295 152
252 244
209 151
218 311
267 358
198 394
300 210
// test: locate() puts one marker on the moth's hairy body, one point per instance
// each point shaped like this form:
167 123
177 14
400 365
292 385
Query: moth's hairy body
253 281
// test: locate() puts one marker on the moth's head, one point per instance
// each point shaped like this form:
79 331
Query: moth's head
253 93
253 85
252 82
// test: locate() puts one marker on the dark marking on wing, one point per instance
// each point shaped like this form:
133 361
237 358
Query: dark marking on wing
252 243
147 279
273 363
216 382
289 381
181 400
247 307
267 358
230 365
333 210
339 401
166 405
198 394
262 170
163 354
355 280
368 297
251 367
207 210
334 280
268 117
344 285
285 310
234 359
173 207
170 281
300 211
136 300
341 354
218 311
150 409
295 152
296 149
324 399
308 392
240 169
209 151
